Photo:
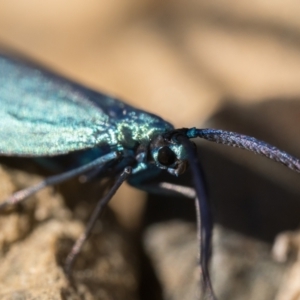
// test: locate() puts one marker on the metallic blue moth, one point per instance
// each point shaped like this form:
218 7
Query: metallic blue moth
45 115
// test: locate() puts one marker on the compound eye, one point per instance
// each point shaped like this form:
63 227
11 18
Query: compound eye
166 156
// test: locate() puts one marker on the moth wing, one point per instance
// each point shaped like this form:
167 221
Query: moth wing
42 114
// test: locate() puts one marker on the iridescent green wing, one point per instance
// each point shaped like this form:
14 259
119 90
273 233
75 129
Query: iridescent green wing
42 114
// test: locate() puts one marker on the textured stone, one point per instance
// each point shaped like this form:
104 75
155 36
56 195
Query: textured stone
36 237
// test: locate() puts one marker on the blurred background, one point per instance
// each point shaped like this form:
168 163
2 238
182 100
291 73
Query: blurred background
224 64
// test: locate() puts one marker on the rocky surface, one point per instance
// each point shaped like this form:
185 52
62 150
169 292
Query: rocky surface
36 237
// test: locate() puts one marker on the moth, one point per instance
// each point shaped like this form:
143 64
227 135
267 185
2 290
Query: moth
45 115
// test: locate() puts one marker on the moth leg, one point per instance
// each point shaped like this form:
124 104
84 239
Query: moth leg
156 182
148 180
170 188
189 193
204 217
185 191
89 175
96 213
25 193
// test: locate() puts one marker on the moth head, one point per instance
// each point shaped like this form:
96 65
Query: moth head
168 155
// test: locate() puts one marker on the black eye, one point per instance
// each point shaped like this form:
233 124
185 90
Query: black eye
166 156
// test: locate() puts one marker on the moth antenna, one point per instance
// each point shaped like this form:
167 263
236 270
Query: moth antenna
247 143
25 193
204 217
96 213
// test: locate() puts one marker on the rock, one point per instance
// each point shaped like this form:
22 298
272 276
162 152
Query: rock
36 237
241 267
